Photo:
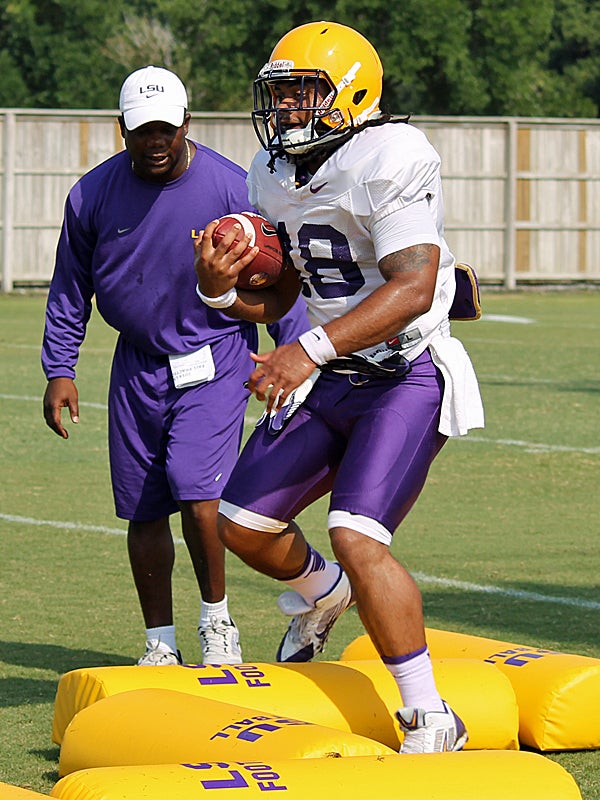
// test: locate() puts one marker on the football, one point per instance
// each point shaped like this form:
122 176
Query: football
265 269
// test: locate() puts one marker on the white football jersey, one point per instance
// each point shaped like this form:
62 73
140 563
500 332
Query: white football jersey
335 225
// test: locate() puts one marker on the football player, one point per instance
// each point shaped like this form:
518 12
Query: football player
362 403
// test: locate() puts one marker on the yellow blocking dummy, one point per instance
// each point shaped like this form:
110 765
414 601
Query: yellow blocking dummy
356 696
558 694
494 775
115 732
9 792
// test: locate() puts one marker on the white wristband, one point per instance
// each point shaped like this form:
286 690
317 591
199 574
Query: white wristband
222 301
317 345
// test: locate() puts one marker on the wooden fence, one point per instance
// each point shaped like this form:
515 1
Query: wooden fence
522 195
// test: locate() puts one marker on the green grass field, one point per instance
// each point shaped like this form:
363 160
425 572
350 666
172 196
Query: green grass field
503 541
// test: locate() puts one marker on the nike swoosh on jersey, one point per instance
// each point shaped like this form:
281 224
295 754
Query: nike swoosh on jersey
315 189
123 230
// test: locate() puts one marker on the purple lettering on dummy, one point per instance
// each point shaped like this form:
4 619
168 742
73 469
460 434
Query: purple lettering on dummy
270 787
236 781
226 678
519 661
517 656
249 734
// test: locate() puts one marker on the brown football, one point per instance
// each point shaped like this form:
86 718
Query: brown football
266 268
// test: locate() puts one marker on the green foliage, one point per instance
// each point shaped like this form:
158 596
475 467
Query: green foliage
575 51
56 46
455 57
424 47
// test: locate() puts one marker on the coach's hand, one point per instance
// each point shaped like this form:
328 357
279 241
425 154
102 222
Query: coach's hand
60 393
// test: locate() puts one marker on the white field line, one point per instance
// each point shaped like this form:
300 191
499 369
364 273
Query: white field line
507 318
71 526
31 399
418 576
530 447
526 380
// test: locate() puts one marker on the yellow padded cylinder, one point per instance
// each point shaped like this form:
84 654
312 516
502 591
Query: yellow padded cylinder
10 792
494 775
359 697
558 694
160 726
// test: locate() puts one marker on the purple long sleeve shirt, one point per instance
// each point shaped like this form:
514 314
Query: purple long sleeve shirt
130 243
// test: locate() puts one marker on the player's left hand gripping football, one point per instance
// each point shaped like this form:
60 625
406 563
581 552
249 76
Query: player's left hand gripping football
278 373
217 267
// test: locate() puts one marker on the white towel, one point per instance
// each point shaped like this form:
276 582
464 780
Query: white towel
462 408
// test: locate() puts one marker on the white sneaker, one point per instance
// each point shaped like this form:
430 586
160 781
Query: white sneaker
159 655
308 630
220 642
431 731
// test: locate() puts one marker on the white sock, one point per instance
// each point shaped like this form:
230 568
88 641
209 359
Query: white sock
316 578
414 675
210 610
165 634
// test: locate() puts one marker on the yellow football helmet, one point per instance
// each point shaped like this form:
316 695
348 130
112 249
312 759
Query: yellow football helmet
318 53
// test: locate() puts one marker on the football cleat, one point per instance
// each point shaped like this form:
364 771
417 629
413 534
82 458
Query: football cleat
309 628
431 731
220 642
159 655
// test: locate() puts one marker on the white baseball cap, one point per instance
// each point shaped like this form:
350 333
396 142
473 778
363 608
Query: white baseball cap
152 94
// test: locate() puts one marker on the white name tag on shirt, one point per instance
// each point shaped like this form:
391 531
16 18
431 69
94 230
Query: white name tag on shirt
190 369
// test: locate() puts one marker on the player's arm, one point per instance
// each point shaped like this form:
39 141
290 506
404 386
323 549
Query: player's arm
68 309
217 269
410 276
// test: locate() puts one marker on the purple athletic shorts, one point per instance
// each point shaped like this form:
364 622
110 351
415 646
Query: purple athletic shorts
371 445
169 444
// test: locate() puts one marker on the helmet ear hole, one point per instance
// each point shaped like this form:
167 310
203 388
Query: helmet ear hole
358 96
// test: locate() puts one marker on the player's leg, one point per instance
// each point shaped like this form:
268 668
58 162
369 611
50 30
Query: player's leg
390 607
141 491
217 632
274 479
198 525
379 582
204 435
152 555
393 442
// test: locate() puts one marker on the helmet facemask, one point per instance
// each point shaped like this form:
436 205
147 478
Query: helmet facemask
317 98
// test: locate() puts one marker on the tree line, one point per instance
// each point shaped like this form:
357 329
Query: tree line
440 57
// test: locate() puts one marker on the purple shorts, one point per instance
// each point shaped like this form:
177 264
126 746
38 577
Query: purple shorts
371 445
169 444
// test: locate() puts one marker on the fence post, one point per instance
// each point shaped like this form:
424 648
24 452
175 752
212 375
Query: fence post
510 228
8 189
